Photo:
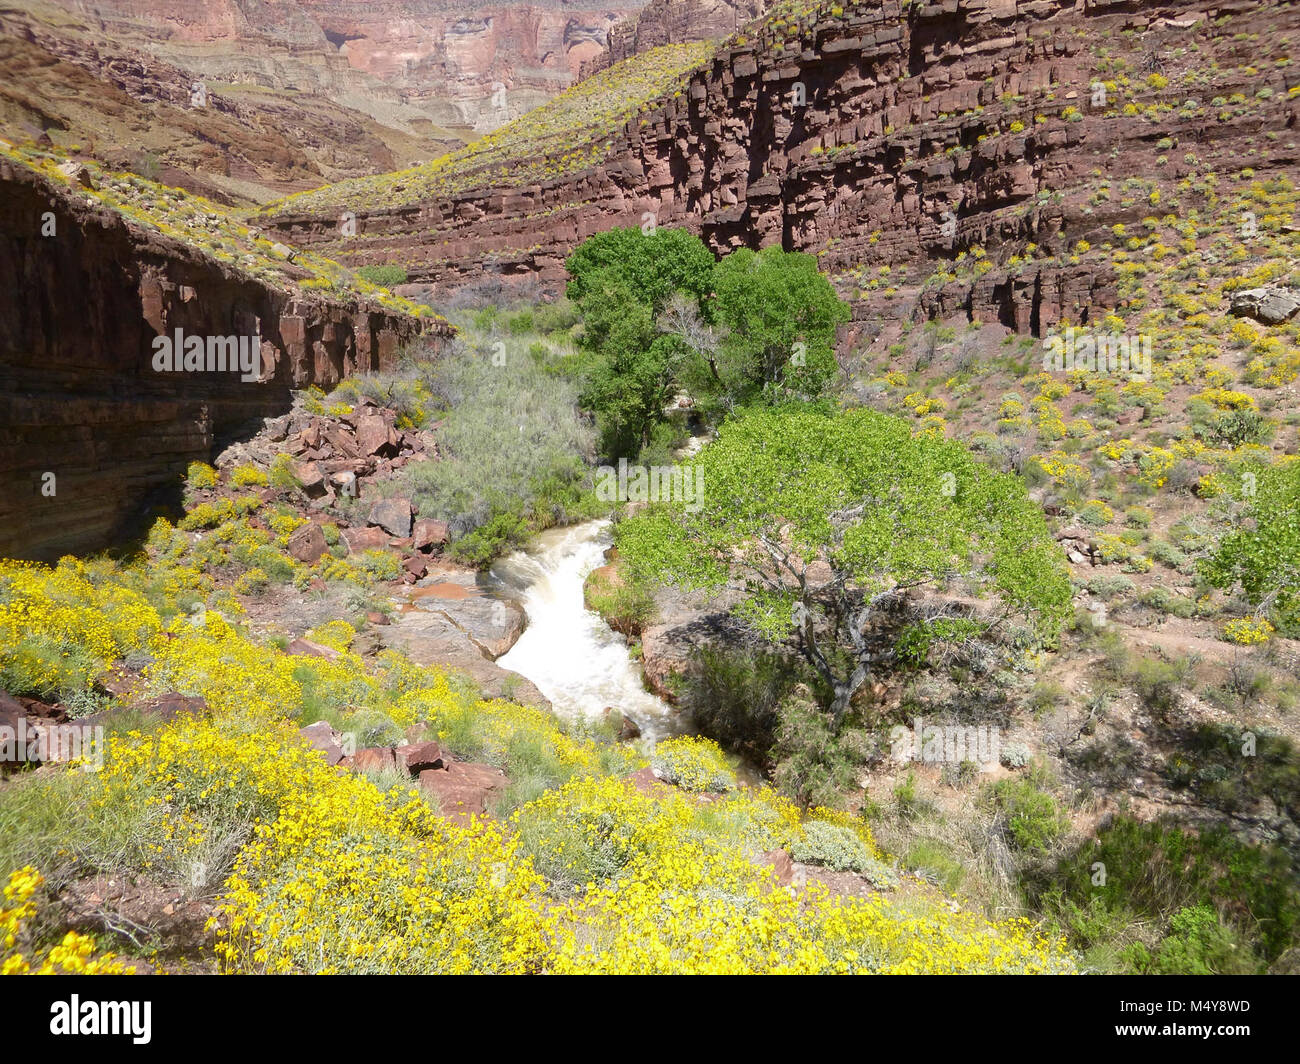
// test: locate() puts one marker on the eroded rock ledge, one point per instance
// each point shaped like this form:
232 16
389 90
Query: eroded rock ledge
79 397
924 130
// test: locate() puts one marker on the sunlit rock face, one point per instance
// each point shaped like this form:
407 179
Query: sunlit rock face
448 58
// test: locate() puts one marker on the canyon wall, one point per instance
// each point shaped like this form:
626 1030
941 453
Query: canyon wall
887 135
439 57
89 429
673 22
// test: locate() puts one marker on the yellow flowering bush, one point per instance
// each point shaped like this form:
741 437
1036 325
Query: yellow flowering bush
351 880
61 627
75 953
318 870
694 764
1248 631
703 910
590 829
200 476
285 525
1063 469
1224 399
248 476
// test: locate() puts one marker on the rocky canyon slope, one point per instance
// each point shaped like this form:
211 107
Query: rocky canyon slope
874 135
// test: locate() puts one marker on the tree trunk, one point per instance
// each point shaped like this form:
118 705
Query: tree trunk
845 691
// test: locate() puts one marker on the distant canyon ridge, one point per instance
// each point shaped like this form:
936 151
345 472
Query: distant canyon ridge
444 58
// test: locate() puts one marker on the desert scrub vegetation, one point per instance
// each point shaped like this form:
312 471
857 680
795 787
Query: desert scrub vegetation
514 450
314 870
1158 898
566 134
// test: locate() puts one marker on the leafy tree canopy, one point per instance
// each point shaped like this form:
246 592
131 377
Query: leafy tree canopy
652 265
1263 556
885 510
659 314
778 317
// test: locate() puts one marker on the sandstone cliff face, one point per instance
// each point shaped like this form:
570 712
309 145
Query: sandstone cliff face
79 396
441 57
922 131
674 22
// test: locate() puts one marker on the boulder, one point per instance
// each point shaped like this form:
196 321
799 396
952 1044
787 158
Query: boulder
462 789
392 515
1272 306
309 477
169 706
428 534
359 539
75 171
781 864
12 712
373 759
307 544
420 756
320 736
647 782
306 648
374 435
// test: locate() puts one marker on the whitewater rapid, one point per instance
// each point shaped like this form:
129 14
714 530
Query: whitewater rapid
575 659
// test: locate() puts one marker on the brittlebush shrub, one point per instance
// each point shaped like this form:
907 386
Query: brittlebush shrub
315 870
694 764
61 628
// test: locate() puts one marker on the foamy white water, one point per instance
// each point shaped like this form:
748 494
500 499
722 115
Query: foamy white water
575 658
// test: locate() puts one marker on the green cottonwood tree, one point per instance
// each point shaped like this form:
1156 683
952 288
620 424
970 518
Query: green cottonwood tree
777 315
1263 556
620 280
887 511
653 265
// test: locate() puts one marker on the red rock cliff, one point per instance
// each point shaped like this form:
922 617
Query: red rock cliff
888 135
79 396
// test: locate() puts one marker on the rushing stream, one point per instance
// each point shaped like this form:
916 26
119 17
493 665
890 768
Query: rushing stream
575 658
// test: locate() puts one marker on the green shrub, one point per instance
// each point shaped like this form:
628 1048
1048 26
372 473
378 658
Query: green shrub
512 446
734 696
1108 585
1198 943
1151 871
627 606
384 276
1034 819
814 762
281 475
836 847
381 564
